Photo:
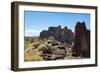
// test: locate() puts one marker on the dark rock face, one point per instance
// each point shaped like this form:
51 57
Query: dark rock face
59 34
82 41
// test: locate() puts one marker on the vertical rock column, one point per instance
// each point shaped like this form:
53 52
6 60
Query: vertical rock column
82 41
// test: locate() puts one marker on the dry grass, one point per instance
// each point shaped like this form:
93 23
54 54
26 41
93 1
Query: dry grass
33 55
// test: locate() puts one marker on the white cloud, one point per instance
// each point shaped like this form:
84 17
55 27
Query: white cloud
32 32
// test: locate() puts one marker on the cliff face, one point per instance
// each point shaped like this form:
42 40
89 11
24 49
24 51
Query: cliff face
82 40
58 33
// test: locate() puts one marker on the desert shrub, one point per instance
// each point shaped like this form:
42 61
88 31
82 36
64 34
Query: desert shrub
31 40
42 47
36 44
69 52
27 44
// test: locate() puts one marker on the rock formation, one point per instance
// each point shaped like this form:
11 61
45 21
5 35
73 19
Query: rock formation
58 33
52 50
82 41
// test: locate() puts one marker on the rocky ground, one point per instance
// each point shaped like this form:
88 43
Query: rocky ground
48 50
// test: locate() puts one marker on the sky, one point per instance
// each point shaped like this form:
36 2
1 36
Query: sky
36 21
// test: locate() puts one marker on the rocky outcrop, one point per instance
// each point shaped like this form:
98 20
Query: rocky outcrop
58 33
82 41
52 50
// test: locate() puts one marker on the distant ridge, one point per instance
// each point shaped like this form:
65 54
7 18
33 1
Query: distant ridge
58 33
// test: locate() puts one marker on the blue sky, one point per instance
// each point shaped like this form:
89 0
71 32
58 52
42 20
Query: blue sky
36 21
